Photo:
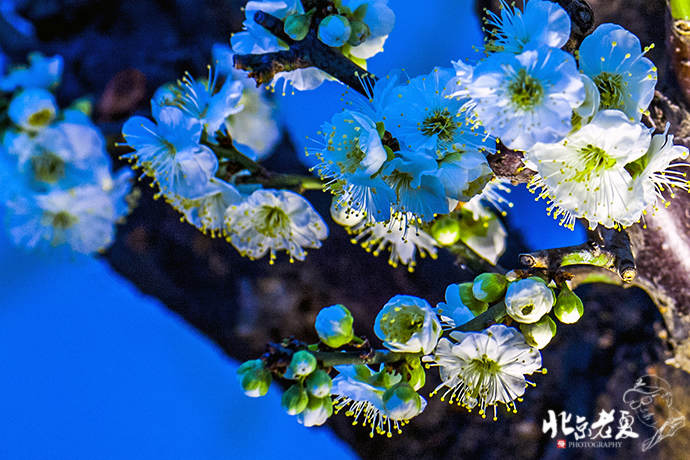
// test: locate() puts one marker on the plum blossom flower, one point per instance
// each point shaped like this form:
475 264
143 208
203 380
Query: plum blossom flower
408 324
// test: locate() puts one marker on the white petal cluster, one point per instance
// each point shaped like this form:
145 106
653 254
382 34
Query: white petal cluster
528 300
484 369
273 220
58 185
408 324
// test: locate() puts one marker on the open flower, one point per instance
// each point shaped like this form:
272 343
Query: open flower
170 153
527 98
408 324
42 72
612 57
207 212
540 24
32 109
403 243
362 391
484 369
274 220
584 175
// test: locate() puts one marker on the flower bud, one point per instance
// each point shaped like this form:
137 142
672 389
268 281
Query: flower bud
254 378
342 215
569 308
319 384
417 375
334 326
408 324
477 307
317 411
302 364
446 231
32 109
489 287
334 30
529 299
401 402
296 26
539 334
360 32
295 400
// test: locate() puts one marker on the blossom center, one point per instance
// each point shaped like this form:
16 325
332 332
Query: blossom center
440 123
40 118
610 86
48 167
400 181
271 221
594 159
402 323
63 220
353 157
525 91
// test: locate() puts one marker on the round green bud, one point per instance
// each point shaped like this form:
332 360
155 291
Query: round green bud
477 307
296 26
417 375
254 378
319 384
446 231
334 326
402 402
539 334
334 30
359 33
568 308
302 364
295 400
489 287
317 411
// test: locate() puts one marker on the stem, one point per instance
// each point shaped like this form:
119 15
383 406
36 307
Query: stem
491 316
334 358
233 155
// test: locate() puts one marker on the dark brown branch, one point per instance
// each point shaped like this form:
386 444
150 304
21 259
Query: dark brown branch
310 52
581 20
507 164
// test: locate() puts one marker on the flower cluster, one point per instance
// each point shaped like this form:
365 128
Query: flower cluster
578 122
481 365
58 185
356 28
199 128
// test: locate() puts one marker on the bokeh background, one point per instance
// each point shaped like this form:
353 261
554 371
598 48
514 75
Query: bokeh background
132 355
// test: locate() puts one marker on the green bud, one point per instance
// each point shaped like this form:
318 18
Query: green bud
295 400
539 334
319 384
296 26
302 364
360 32
489 287
334 326
477 307
402 402
568 308
334 30
446 231
254 378
317 412
416 373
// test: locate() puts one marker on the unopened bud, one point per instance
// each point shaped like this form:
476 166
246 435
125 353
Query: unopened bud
334 30
539 334
295 400
568 308
297 26
446 230
334 326
402 402
317 411
489 287
319 384
417 375
360 32
302 364
477 307
528 300
254 378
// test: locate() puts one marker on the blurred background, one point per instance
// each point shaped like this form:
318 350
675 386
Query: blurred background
132 355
